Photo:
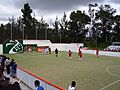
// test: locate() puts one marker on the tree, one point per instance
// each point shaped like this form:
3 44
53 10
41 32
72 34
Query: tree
2 33
116 28
42 29
105 15
35 26
91 29
14 29
20 28
56 30
63 32
27 20
77 23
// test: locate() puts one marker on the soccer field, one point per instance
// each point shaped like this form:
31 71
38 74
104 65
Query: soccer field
90 74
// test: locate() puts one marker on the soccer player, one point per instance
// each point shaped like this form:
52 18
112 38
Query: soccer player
49 50
56 52
69 53
80 55
97 53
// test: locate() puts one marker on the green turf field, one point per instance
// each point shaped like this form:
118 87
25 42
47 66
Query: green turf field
90 74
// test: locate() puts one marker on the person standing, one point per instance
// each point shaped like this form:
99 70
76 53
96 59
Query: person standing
69 53
37 85
46 51
3 63
97 53
72 86
7 64
80 55
14 70
56 52
11 63
49 50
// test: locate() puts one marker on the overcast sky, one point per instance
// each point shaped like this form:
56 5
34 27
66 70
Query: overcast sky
49 9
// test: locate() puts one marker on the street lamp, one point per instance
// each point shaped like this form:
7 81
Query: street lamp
11 20
23 30
96 37
46 32
60 35
36 28
11 29
36 32
92 16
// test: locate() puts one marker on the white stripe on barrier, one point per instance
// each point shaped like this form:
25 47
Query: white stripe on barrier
29 79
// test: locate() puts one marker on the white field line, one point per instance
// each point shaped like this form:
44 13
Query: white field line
37 55
110 84
107 70
31 54
26 56
20 55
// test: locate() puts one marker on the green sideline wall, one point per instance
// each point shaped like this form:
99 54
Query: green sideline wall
12 46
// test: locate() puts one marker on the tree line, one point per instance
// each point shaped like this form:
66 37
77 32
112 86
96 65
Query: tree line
99 27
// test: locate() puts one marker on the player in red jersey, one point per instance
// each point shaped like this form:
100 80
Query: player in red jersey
69 54
80 55
97 53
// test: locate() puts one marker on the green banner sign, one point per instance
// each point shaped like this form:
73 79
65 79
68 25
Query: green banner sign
12 46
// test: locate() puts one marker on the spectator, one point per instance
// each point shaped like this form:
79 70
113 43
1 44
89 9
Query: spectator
0 59
9 87
37 85
14 70
72 86
1 76
7 64
2 85
3 61
16 86
1 70
7 81
11 63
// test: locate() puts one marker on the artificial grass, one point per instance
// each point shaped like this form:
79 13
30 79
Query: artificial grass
90 74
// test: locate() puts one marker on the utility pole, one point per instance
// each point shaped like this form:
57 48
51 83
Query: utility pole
92 16
23 30
11 29
60 35
35 27
46 34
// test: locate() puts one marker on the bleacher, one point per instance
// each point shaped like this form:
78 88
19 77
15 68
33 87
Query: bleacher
8 80
22 85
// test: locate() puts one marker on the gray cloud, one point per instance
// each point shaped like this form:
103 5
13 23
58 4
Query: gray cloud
115 1
55 5
3 18
45 7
